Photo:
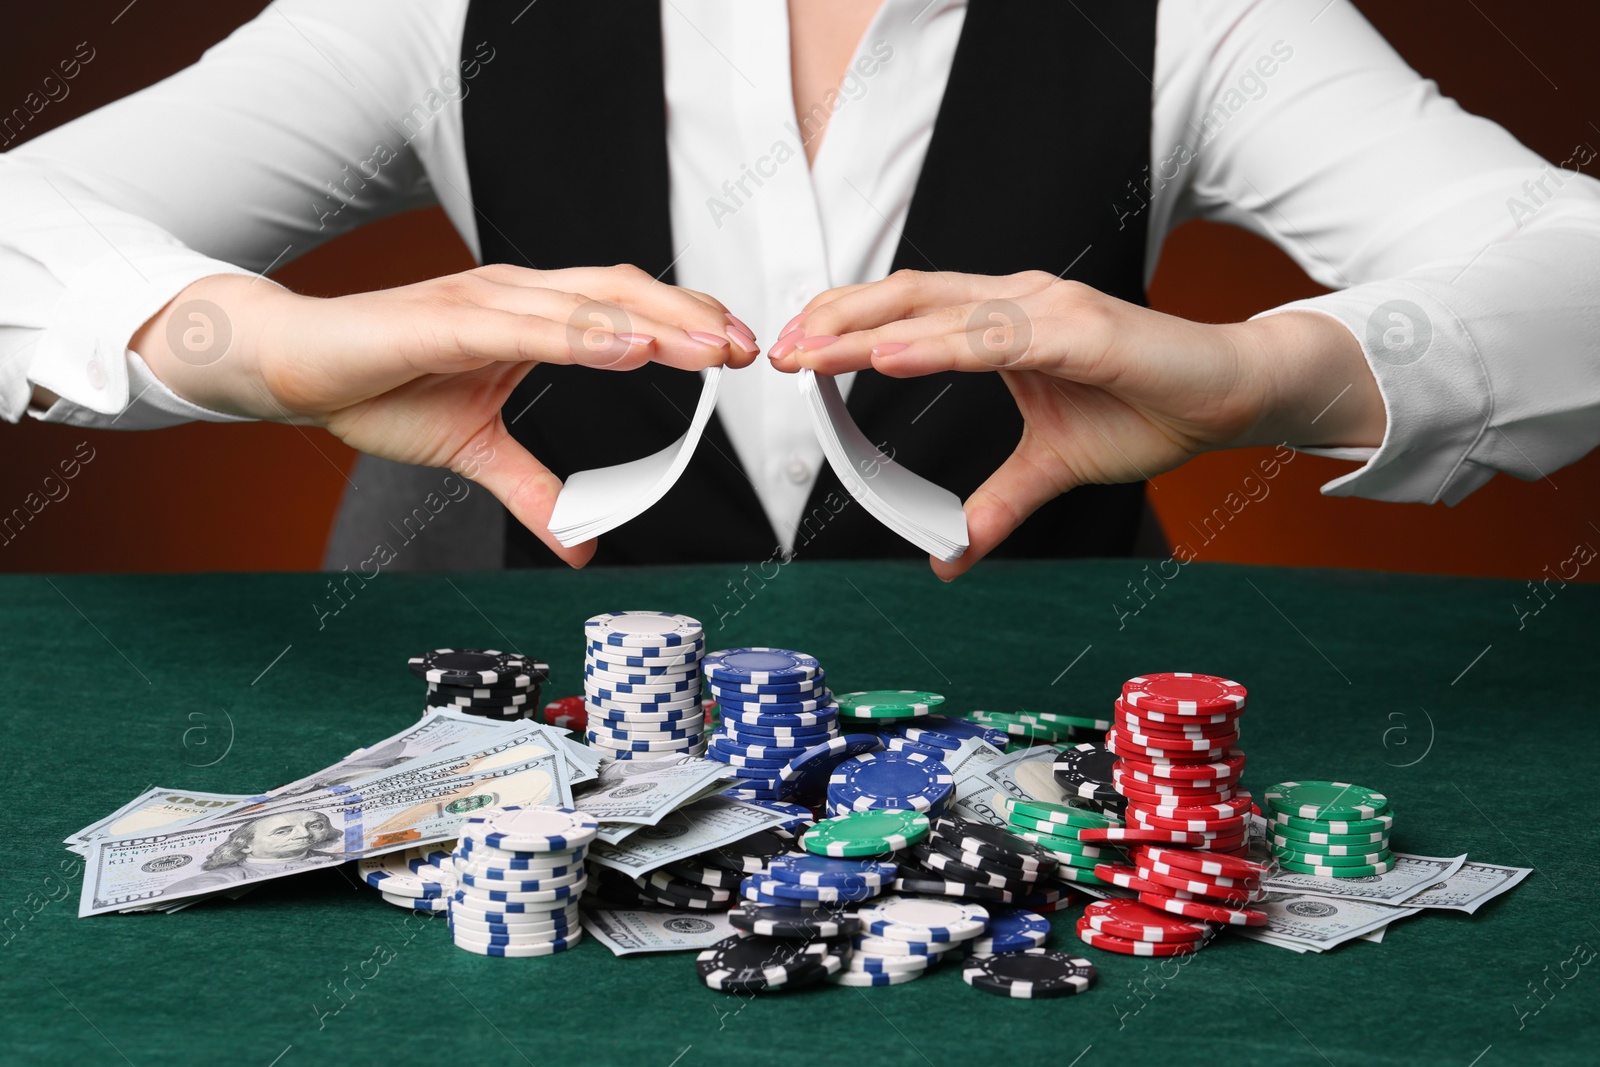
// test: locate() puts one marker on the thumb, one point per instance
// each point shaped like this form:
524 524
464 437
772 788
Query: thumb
524 485
1024 483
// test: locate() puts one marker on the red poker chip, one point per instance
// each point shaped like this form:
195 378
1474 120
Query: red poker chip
1206 863
1141 723
1118 745
1246 883
1185 809
1155 743
1230 826
1181 693
568 713
1197 887
1171 721
1140 922
1127 878
1151 834
1136 792
1128 947
1199 909
1230 767
1173 788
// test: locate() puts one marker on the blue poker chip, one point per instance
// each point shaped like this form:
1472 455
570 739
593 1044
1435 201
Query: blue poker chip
763 750
760 665
879 780
722 755
807 774
950 726
828 893
814 734
749 793
780 719
758 897
1011 930
768 695
800 817
755 777
772 707
768 689
901 744
823 871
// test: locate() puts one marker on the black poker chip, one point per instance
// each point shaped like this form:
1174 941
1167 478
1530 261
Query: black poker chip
943 866
477 667
1033 973
805 923
457 695
750 963
660 883
690 871
748 855
930 884
1085 772
981 839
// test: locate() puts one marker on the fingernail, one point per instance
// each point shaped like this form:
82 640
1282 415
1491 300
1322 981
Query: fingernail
785 345
708 338
731 317
811 344
746 339
637 338
791 324
888 348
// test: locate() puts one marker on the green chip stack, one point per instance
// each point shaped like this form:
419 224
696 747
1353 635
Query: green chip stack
1330 829
1033 726
1054 829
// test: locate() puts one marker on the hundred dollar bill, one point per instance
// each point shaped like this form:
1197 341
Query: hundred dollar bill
246 849
689 831
629 932
1028 775
1471 886
157 807
974 790
1308 923
644 791
1410 876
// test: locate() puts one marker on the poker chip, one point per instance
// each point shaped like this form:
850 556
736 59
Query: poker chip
1226 866
807 774
760 666
1323 871
416 903
865 833
1308 838
1031 973
1326 801
790 891
1378 824
1181 693
1227 825
895 743
750 963
888 703
1017 724
536 948
968 835
679 744
1085 772
392 873
1011 930
475 668
981 872
1141 922
1283 845
897 963
825 871
1034 866
1320 859
723 743
748 854
930 885
1129 947
793 921
1204 910
890 780
540 828
789 720
924 919
566 712
1131 834
953 729
867 979
636 629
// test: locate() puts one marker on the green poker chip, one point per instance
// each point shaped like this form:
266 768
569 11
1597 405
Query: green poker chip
1315 859
1050 718
1080 875
1367 871
877 832
1325 801
1382 823
1316 841
888 703
1048 811
1359 847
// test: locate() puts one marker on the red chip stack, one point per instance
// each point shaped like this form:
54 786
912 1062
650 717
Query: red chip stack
1175 738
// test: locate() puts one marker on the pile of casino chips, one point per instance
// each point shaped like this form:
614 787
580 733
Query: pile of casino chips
1048 726
969 860
481 681
1179 770
775 707
519 875
1330 829
418 879
890 780
935 735
1132 928
1057 831
641 685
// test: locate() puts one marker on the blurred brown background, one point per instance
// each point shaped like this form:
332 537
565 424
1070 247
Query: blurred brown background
261 497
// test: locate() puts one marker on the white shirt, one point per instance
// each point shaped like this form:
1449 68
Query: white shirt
1303 124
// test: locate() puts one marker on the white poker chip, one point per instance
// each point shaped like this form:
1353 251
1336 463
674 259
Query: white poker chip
439 904
534 919
535 828
391 873
865 979
643 629
538 948
924 919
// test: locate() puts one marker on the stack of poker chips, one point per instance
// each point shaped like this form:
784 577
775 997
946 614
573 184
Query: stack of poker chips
417 879
775 707
1178 767
519 875
969 860
1131 928
1057 830
1330 829
641 685
903 937
756 963
892 780
481 681
798 888
935 736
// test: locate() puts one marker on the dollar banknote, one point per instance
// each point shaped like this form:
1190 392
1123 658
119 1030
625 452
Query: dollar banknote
1028 774
1308 923
157 808
1410 876
1470 887
689 831
645 791
628 932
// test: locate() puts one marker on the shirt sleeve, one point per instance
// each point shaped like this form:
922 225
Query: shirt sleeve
312 119
1465 264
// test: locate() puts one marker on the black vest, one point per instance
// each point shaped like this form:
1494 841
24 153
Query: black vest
1044 123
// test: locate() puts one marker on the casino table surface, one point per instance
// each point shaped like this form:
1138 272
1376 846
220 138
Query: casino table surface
1482 731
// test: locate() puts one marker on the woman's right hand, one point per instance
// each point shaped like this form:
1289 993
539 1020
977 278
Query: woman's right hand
418 374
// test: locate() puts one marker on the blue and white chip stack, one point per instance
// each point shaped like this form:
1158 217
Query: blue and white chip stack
519 875
891 781
902 937
418 879
641 684
775 705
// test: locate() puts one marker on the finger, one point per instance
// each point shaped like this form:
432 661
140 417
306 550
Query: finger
793 329
1010 335
1025 482
495 460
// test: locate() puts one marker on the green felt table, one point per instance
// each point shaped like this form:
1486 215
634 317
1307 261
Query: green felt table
1482 731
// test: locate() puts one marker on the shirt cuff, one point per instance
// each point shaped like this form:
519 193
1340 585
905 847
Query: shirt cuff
82 354
1435 391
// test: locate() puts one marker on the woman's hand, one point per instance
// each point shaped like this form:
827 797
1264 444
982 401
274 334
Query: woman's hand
1109 391
418 374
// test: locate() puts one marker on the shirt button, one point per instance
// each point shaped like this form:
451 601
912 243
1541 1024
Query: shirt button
97 374
798 471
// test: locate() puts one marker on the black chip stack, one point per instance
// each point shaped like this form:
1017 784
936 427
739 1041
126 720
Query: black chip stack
482 681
